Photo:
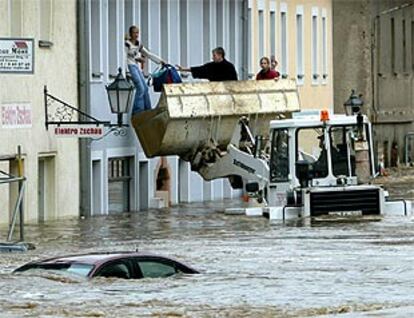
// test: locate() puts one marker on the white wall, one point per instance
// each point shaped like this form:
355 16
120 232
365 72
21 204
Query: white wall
55 67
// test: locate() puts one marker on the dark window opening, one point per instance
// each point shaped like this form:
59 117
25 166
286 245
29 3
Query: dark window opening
118 270
279 157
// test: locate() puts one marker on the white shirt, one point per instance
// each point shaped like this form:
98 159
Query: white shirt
135 50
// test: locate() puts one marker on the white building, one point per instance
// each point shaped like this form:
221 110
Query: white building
115 174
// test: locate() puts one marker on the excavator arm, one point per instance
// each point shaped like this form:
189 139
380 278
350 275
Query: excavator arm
213 125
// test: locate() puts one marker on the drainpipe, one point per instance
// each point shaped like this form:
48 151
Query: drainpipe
84 102
245 40
374 66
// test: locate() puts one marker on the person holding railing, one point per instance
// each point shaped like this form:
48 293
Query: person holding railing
135 54
218 70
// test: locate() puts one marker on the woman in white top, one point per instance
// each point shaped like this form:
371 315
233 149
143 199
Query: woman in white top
135 53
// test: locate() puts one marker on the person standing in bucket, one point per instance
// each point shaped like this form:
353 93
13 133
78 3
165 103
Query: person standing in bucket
267 72
218 70
135 53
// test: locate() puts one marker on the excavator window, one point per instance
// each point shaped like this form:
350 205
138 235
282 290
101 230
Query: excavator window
342 150
279 157
312 147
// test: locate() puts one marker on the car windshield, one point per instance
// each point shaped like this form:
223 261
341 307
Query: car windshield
75 268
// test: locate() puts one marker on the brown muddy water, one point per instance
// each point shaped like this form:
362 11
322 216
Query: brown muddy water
250 267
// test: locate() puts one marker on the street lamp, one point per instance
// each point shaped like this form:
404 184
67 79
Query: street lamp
120 93
353 104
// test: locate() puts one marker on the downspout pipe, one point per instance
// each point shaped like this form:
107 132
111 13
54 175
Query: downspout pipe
245 38
84 105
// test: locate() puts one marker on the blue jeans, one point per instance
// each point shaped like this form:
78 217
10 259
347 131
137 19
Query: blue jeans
142 100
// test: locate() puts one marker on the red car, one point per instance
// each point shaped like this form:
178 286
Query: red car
127 265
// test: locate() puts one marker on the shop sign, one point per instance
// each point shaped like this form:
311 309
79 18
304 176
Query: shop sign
79 131
16 55
16 115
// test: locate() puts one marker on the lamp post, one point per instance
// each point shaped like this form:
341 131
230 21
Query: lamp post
353 104
120 93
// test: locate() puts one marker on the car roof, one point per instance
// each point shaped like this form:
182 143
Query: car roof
99 257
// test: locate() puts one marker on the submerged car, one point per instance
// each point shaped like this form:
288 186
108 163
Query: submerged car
126 265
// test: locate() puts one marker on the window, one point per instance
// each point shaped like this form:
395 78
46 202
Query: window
232 13
115 269
96 34
144 25
412 45
206 30
392 46
261 34
112 38
283 40
164 29
220 22
324 48
226 27
272 41
45 22
75 268
174 31
404 47
250 42
299 46
315 66
15 18
128 14
311 146
279 157
183 32
154 269
342 150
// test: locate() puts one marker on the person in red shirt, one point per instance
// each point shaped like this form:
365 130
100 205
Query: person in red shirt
266 72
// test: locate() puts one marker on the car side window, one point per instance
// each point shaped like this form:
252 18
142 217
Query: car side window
154 269
115 269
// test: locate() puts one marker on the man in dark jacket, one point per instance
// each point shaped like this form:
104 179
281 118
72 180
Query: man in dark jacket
218 70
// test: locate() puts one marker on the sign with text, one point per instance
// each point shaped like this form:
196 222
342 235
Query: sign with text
80 131
16 115
16 55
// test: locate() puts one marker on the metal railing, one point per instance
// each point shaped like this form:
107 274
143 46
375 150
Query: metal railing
18 208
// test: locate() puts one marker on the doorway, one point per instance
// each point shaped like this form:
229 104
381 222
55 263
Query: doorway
46 193
119 184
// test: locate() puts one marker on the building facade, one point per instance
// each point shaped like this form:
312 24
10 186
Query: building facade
299 35
38 48
116 176
374 54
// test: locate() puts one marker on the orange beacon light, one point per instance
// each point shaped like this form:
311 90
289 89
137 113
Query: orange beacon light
324 115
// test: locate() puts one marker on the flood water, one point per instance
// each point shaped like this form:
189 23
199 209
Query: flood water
250 267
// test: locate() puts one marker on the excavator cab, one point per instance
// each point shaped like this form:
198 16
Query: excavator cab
314 154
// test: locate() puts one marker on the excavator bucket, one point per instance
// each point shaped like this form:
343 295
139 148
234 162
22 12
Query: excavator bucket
192 116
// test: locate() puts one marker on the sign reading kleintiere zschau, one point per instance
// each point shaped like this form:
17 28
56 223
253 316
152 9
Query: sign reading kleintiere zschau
79 131
16 55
